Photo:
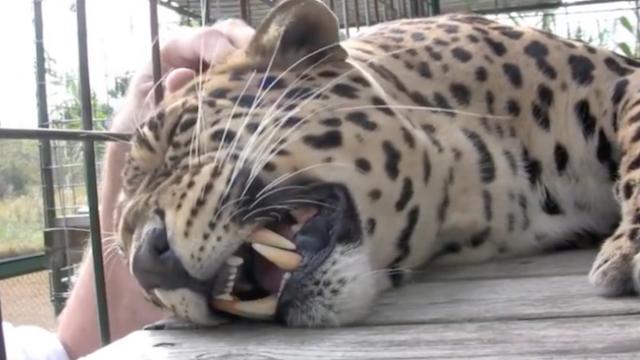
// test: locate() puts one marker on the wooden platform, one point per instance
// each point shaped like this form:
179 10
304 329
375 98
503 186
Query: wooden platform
531 308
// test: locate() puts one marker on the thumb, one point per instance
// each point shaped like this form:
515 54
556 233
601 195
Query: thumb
178 78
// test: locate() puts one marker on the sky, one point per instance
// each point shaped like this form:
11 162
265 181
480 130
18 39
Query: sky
119 41
118 38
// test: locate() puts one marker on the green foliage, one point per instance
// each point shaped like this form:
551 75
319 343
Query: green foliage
19 168
68 112
632 49
21 224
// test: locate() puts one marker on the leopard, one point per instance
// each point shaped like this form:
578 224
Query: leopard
308 174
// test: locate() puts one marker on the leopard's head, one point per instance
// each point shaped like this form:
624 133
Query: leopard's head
253 190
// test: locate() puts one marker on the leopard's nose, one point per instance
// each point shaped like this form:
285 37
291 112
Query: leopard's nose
155 265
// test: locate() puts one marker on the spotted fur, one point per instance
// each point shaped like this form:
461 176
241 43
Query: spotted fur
459 139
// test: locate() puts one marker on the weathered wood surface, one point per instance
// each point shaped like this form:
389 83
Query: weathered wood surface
532 308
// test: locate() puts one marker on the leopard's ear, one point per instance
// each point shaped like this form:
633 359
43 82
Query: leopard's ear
297 32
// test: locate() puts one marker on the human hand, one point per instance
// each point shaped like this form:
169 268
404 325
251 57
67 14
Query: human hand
182 58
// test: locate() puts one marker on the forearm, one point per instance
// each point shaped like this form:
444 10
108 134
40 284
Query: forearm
78 326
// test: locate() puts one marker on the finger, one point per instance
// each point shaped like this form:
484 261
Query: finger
238 32
187 50
178 78
213 47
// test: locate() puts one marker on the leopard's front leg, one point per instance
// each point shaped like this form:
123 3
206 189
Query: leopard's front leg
616 270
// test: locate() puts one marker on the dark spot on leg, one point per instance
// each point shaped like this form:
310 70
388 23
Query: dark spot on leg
479 238
481 74
426 167
549 204
497 47
485 161
619 90
616 68
392 160
513 73
461 93
587 121
406 193
461 54
513 108
424 70
404 239
561 156
581 69
532 167
487 201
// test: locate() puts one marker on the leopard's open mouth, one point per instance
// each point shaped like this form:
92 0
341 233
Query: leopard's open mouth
261 279
253 279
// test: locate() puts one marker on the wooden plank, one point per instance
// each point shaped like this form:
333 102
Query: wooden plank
583 338
561 263
497 299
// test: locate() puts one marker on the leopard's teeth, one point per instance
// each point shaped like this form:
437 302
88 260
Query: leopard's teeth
283 282
269 238
262 309
224 297
295 228
284 259
234 261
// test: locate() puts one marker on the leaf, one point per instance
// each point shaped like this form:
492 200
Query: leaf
626 24
625 49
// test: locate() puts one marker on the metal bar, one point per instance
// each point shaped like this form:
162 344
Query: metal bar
376 8
243 11
180 10
435 7
56 134
3 349
555 5
332 5
345 16
367 14
357 14
46 162
155 51
207 12
22 265
90 174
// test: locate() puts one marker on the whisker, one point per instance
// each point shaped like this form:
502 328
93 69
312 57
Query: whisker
262 209
286 176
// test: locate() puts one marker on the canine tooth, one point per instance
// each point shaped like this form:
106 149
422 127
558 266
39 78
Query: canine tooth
285 260
270 238
234 261
263 309
224 297
295 228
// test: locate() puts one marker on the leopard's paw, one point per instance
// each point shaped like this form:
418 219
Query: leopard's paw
616 270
